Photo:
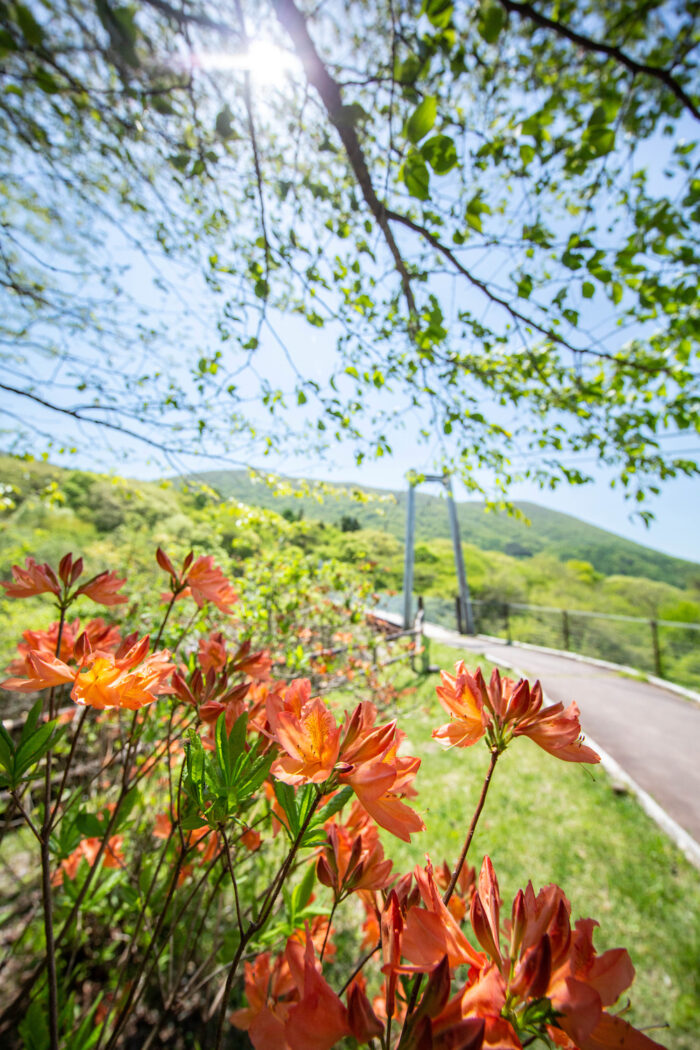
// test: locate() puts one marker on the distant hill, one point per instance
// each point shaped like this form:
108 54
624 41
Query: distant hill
550 532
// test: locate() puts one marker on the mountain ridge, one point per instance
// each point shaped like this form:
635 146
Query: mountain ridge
562 535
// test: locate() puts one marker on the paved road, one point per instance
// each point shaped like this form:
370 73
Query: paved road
653 734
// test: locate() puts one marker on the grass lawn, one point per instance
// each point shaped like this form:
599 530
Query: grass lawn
552 821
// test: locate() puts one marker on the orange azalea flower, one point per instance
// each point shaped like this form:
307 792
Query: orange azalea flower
431 931
319 1019
290 1005
33 579
200 579
43 672
256 665
364 1023
458 903
88 850
353 862
251 839
503 710
379 777
212 652
103 588
101 636
40 579
312 744
545 960
367 759
111 682
103 679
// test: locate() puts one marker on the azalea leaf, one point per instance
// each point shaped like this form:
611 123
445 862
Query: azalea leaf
89 825
334 805
284 793
301 893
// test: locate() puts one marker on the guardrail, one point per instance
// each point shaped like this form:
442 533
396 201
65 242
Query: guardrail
669 649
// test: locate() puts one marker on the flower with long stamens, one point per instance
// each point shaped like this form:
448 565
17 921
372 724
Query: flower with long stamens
358 753
311 742
503 710
128 678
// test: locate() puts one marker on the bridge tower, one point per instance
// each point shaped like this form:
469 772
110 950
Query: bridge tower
465 614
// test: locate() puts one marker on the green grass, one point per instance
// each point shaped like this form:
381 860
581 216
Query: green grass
551 821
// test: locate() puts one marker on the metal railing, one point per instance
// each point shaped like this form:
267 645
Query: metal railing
669 649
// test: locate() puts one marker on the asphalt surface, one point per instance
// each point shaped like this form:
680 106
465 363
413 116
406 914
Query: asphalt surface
653 734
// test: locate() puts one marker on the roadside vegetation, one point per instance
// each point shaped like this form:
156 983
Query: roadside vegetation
46 510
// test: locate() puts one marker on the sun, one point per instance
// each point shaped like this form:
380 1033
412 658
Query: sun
267 62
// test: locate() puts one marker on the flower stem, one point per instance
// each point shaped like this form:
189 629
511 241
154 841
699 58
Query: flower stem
165 618
455 874
46 896
257 924
472 827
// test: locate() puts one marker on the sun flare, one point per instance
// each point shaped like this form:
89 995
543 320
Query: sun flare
267 62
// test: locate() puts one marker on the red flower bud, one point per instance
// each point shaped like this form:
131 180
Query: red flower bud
165 563
364 1023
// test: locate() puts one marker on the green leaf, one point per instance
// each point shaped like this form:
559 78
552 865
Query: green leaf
301 893
305 800
128 803
192 821
440 153
31 30
421 120
438 12
34 746
7 750
89 825
587 289
474 210
525 286
492 19
34 1029
334 806
284 793
223 125
416 176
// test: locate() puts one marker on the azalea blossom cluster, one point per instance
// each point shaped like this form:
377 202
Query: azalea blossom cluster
254 754
200 579
316 750
503 710
35 579
129 677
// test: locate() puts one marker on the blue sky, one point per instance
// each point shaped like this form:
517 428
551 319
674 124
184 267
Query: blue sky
676 510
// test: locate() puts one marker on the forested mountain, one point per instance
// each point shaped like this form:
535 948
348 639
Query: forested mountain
561 536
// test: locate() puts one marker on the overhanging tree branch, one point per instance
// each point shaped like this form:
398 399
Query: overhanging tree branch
527 11
77 414
294 23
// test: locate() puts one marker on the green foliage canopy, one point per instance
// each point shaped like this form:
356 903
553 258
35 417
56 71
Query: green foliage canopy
488 211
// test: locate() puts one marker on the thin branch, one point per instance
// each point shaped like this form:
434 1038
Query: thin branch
294 23
85 419
525 10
